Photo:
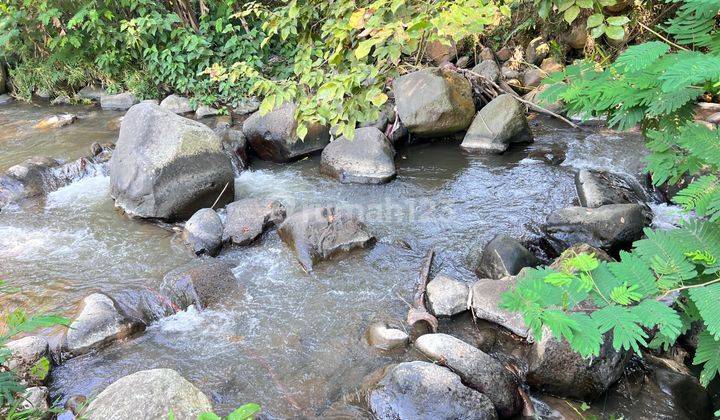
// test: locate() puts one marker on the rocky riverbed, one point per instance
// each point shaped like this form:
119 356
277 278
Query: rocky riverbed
279 297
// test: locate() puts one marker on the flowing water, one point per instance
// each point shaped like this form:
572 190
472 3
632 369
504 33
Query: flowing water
295 342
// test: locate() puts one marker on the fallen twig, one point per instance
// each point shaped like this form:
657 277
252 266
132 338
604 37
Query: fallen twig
419 319
221 194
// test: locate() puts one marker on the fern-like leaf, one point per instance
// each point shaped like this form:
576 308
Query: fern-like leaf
707 353
653 313
641 56
707 300
625 326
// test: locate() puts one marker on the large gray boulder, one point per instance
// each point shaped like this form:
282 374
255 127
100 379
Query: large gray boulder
177 104
421 390
203 232
497 125
485 298
504 256
553 367
476 369
91 93
247 219
610 227
489 69
597 188
99 323
434 102
166 166
149 394
319 233
203 283
366 159
447 296
120 102
273 135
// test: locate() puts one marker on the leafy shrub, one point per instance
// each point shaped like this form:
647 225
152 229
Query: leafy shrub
670 279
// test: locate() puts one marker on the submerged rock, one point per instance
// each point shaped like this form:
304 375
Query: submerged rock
56 121
203 232
366 159
177 104
434 102
597 188
6 99
247 219
485 297
447 296
476 369
235 145
203 283
168 167
611 227
319 233
553 367
273 137
421 390
382 337
120 102
149 394
504 256
99 323
61 100
497 125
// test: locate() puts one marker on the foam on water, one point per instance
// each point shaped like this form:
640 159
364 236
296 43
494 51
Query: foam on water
80 194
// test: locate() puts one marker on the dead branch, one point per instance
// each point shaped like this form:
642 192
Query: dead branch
420 320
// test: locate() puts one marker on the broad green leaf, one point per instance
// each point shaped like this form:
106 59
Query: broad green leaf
617 20
595 20
571 14
615 32
244 412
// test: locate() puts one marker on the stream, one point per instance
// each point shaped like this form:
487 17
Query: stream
295 342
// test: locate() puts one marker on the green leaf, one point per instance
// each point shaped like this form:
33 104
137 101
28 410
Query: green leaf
598 31
246 411
625 295
584 262
209 416
707 300
585 4
595 20
615 32
363 49
301 131
627 333
618 20
559 279
707 353
571 14
586 338
41 368
652 313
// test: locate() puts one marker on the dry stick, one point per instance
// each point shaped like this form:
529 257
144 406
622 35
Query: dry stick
221 194
418 312
647 28
534 107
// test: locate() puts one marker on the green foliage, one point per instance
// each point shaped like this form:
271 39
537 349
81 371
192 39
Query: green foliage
14 323
244 412
670 278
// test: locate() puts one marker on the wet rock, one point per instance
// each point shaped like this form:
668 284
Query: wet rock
36 398
203 283
120 102
149 394
532 77
99 323
447 296
319 233
56 121
6 99
536 51
485 298
143 304
577 249
204 111
27 180
488 69
434 102
366 159
177 104
610 227
421 390
247 219
91 93
556 369
681 390
380 336
203 232
61 100
24 354
272 136
440 53
476 369
597 188
504 256
235 145
497 125
168 167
